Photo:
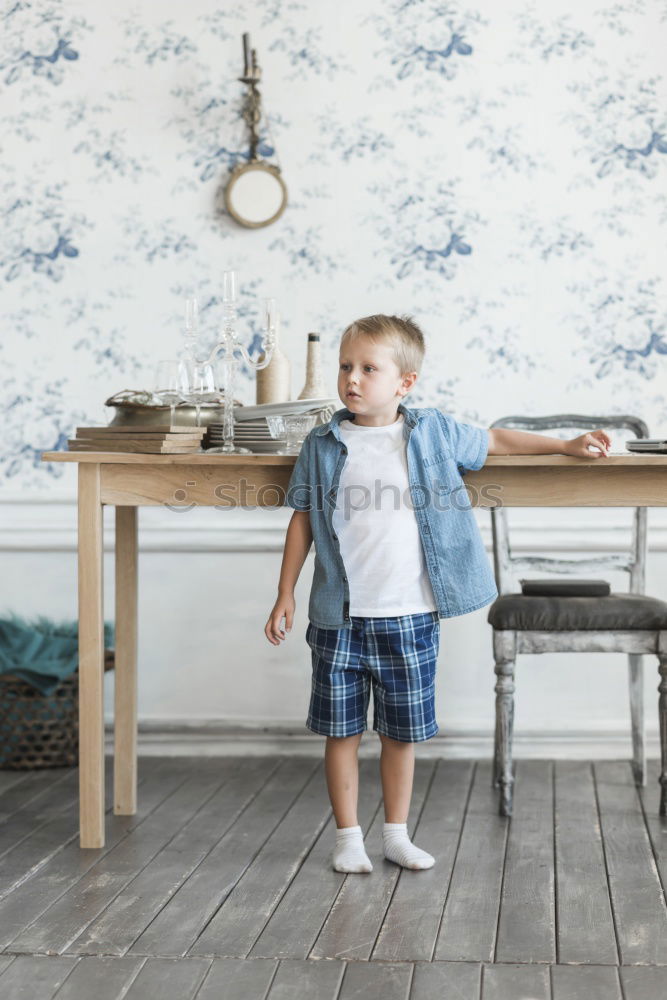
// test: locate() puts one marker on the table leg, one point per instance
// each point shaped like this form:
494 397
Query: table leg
91 658
125 722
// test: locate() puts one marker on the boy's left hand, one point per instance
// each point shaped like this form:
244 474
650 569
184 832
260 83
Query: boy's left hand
579 446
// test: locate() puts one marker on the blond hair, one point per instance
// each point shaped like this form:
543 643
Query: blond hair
400 331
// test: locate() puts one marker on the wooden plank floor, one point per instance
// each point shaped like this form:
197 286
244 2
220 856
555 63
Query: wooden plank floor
221 886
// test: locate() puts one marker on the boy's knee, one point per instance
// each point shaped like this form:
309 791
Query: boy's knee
394 743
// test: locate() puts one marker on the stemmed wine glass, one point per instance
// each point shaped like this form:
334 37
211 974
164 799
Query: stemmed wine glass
169 383
198 384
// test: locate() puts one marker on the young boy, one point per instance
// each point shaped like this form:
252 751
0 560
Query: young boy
379 490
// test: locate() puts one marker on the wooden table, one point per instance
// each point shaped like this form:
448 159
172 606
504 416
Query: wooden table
128 481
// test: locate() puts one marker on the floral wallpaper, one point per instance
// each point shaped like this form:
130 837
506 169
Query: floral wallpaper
497 171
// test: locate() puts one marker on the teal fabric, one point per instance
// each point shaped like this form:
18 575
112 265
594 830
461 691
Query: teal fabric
42 652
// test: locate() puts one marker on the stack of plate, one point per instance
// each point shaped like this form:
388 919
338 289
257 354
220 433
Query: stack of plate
253 434
252 431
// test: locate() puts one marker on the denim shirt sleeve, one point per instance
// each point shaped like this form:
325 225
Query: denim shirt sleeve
469 444
299 489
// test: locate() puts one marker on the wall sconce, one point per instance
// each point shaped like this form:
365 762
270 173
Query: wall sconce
255 194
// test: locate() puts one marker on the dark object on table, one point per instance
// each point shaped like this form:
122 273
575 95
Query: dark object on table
655 446
565 588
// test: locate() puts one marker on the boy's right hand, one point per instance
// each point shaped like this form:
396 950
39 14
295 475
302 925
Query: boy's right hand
284 607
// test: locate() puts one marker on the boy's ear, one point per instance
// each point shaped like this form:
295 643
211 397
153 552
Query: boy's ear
409 380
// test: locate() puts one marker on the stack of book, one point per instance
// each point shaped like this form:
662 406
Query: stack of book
146 439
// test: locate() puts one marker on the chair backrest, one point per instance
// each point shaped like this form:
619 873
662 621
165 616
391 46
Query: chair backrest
508 567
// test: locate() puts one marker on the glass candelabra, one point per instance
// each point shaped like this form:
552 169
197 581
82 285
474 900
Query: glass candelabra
229 346
191 328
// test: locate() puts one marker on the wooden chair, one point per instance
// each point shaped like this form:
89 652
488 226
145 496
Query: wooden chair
629 623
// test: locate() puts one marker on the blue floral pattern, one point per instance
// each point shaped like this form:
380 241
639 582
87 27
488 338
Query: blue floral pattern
498 171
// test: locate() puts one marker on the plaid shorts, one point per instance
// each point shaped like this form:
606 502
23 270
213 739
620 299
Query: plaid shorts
396 655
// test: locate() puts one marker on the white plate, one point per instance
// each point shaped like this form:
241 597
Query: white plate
244 429
244 437
263 448
254 435
290 406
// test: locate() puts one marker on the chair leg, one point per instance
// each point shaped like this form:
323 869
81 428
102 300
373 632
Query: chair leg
662 715
495 772
636 678
504 689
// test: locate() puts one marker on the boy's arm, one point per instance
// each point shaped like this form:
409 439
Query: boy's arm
298 540
503 441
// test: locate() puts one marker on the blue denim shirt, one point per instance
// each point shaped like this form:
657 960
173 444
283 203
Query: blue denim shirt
439 450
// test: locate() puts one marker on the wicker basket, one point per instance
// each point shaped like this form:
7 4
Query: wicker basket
37 730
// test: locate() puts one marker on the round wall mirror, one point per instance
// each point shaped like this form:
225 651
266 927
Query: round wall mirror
255 194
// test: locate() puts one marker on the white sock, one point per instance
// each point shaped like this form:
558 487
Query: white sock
399 848
349 854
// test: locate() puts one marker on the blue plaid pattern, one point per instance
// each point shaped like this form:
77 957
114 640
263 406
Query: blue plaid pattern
396 655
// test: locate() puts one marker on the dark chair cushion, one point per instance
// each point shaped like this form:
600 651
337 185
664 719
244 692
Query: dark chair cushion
569 614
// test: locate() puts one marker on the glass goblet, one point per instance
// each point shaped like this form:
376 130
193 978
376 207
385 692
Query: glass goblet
294 428
277 430
198 384
168 383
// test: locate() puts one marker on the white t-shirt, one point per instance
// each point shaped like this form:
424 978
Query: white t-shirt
376 525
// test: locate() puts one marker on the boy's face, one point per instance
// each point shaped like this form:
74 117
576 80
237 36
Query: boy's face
367 369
